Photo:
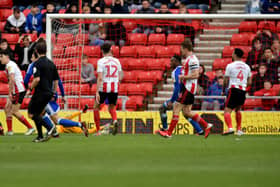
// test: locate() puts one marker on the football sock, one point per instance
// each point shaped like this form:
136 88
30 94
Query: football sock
227 117
173 124
163 117
201 121
238 118
195 125
73 115
96 119
9 121
113 114
39 123
48 121
25 122
68 123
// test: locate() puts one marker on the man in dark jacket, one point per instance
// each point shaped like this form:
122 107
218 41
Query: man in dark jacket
119 7
115 32
255 55
271 63
146 8
15 22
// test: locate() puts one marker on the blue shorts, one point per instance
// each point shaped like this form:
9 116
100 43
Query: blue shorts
52 108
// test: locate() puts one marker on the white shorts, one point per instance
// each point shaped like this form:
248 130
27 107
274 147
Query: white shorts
52 108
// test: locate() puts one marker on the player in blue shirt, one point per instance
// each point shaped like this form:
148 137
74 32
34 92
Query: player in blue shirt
167 105
52 107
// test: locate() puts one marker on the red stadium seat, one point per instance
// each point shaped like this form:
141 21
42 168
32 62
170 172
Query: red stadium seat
146 76
72 51
58 51
3 77
154 64
278 27
250 104
43 11
62 11
136 89
246 50
82 39
136 64
165 62
123 89
267 24
221 63
164 51
65 39
129 25
175 48
174 11
3 102
116 51
73 103
130 103
42 35
128 51
130 76
11 38
175 39
248 26
138 39
145 51
88 101
276 88
147 87
4 89
195 11
93 61
5 13
62 63
251 37
227 51
211 74
158 75
156 39
6 3
125 62
92 51
32 36
2 25
85 89
26 11
69 76
93 89
240 39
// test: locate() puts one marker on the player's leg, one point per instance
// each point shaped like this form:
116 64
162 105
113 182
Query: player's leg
9 119
96 109
175 117
112 99
238 118
230 104
195 125
78 113
163 115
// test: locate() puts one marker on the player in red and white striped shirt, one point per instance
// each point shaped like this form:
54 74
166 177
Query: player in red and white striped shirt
109 72
188 77
238 74
16 94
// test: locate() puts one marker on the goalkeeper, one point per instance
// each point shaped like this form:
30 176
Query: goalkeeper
175 63
52 107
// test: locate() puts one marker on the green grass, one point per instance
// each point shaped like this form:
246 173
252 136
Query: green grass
140 160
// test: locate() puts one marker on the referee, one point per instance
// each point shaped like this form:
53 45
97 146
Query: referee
45 82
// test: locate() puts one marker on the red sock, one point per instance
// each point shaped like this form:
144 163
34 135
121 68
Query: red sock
96 119
173 124
113 114
238 118
228 120
200 120
9 121
25 122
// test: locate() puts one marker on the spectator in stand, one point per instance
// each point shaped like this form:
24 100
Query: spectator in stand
276 48
146 8
253 7
164 9
266 36
87 74
115 33
15 22
255 55
34 21
218 73
119 7
23 4
4 46
86 10
169 3
271 63
270 6
267 104
259 78
184 26
203 81
24 51
97 34
50 10
134 5
97 6
73 9
163 29
197 4
215 89
107 9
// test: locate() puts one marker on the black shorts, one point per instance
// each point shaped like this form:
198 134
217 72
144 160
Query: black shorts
18 98
112 97
235 98
38 103
185 97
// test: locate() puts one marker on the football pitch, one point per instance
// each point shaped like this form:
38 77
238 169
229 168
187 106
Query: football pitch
140 160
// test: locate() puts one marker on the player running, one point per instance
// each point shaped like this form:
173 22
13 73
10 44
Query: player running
175 63
16 94
238 75
109 72
52 107
189 76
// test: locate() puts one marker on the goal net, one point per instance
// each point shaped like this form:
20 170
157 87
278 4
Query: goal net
145 43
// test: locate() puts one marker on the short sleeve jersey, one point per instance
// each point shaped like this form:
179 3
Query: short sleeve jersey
238 73
12 68
191 63
110 68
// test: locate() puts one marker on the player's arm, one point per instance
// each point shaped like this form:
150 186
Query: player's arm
36 79
249 81
193 75
98 84
61 88
28 75
225 84
11 84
